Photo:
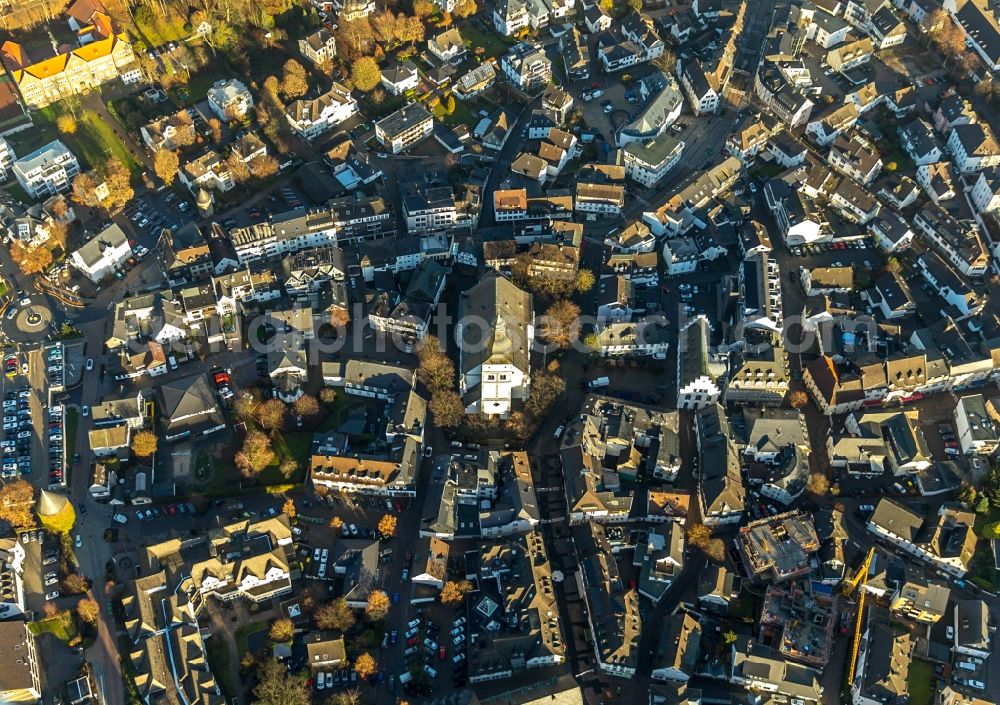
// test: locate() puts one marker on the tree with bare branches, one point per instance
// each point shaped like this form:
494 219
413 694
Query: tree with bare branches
255 455
560 326
336 615
306 406
17 504
88 610
447 409
435 368
271 414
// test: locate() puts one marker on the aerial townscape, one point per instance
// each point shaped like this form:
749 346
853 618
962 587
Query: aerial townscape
499 352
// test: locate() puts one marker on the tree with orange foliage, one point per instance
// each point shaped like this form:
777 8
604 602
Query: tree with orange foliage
31 260
365 665
387 525
378 605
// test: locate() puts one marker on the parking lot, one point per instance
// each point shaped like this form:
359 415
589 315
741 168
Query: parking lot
852 246
42 570
280 200
149 217
17 428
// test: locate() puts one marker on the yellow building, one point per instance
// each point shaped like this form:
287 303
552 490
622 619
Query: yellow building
105 55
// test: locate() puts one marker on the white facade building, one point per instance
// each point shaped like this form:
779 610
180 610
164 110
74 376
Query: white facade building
497 331
229 99
46 171
648 162
102 256
7 158
312 118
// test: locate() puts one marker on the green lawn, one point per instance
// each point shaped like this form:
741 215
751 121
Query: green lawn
988 518
62 626
765 170
225 477
336 413
218 660
465 114
97 141
493 43
156 30
28 141
294 445
920 681
198 85
244 632
94 141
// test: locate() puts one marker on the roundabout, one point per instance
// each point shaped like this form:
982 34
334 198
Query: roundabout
30 324
33 319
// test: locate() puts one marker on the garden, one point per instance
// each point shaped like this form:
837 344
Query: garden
920 682
87 134
270 449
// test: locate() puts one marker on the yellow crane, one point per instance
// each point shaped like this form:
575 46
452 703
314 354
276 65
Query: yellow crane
857 583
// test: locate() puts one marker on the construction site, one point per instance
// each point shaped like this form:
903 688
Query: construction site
778 548
798 621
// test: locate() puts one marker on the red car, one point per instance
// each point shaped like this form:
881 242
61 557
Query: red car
441 653
951 444
171 509
221 378
413 641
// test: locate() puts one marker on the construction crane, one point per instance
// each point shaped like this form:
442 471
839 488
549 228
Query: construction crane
857 583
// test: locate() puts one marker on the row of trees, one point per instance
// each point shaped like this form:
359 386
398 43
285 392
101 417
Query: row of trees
949 38
166 163
277 686
437 372
371 36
